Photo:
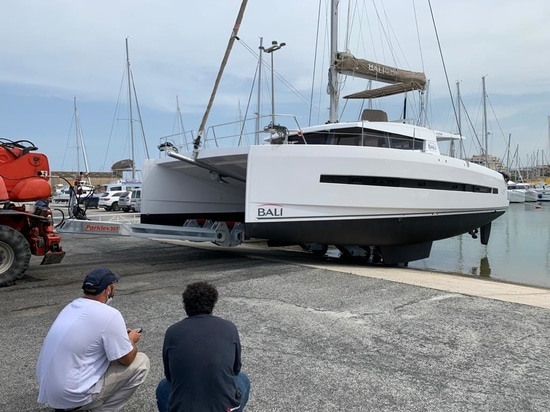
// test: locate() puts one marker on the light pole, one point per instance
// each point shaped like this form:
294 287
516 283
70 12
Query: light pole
274 47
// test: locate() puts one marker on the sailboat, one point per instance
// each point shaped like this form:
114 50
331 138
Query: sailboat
81 186
129 165
372 188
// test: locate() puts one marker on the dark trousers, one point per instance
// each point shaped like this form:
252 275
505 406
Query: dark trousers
163 392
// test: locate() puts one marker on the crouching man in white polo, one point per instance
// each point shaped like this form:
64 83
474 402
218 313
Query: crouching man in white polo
89 359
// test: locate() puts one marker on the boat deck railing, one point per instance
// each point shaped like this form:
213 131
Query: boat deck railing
250 131
256 130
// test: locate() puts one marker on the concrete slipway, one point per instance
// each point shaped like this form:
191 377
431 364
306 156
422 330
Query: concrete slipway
317 335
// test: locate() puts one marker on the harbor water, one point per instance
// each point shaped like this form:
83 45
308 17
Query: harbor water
518 249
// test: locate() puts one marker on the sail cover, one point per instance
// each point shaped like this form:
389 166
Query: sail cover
401 80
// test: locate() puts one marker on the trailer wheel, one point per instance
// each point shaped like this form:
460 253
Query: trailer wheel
15 255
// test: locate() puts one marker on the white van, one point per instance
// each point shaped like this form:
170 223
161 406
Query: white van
130 201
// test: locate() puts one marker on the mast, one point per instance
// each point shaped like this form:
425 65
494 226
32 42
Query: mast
333 87
130 110
258 115
485 132
197 141
181 129
79 142
453 149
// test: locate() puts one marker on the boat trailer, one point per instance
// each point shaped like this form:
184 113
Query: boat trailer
219 233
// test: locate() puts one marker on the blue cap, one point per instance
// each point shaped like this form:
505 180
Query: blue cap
97 281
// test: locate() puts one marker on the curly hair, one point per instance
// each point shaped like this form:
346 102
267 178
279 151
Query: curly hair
199 297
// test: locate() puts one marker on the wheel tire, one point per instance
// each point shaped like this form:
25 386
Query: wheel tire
115 207
107 209
15 255
125 209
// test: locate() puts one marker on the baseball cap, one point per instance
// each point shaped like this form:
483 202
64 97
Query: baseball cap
97 281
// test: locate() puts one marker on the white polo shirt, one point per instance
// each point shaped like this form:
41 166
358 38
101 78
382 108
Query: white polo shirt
85 337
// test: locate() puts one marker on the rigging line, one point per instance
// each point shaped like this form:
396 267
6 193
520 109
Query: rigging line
322 89
139 115
80 138
243 123
496 118
443 63
393 49
418 36
471 123
68 139
277 74
114 116
371 33
348 30
314 63
383 30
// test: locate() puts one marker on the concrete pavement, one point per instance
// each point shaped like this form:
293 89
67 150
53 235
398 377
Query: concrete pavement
315 335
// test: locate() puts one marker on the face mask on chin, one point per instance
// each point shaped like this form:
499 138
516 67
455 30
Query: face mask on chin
110 298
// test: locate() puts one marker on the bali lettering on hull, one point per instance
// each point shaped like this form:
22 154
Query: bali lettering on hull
270 210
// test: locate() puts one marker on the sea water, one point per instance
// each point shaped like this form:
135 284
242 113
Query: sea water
518 249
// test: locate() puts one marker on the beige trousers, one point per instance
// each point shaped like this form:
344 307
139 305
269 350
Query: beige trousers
119 384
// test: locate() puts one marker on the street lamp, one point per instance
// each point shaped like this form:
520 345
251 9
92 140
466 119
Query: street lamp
274 47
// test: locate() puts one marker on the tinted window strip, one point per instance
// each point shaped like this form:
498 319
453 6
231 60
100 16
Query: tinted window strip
408 183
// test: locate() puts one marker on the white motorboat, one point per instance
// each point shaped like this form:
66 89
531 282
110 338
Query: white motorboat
516 192
369 187
531 195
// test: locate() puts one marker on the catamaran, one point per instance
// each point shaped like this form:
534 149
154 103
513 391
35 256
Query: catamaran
371 187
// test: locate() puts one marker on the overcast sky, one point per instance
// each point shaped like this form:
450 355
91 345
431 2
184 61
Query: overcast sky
54 50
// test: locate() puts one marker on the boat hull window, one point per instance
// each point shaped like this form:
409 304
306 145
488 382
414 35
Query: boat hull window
358 136
405 183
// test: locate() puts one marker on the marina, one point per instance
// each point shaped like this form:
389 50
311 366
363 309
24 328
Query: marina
367 261
519 249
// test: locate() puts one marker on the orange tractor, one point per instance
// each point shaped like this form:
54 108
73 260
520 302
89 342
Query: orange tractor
24 177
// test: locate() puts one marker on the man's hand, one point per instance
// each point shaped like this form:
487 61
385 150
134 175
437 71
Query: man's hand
134 335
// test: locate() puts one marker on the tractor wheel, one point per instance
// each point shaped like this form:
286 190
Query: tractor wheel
15 255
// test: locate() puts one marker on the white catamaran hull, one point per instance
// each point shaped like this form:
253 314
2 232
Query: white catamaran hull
370 187
334 195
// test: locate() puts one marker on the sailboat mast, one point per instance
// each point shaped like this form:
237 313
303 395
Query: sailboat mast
197 141
333 86
459 122
181 129
77 137
130 109
260 62
485 132
79 142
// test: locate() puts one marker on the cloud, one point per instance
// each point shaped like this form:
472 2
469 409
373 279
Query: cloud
61 48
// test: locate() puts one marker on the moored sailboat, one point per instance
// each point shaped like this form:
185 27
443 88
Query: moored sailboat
369 187
80 187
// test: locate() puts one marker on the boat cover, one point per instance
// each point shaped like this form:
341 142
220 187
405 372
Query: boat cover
400 80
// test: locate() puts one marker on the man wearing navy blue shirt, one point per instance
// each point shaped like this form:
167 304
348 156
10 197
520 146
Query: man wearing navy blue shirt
202 359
